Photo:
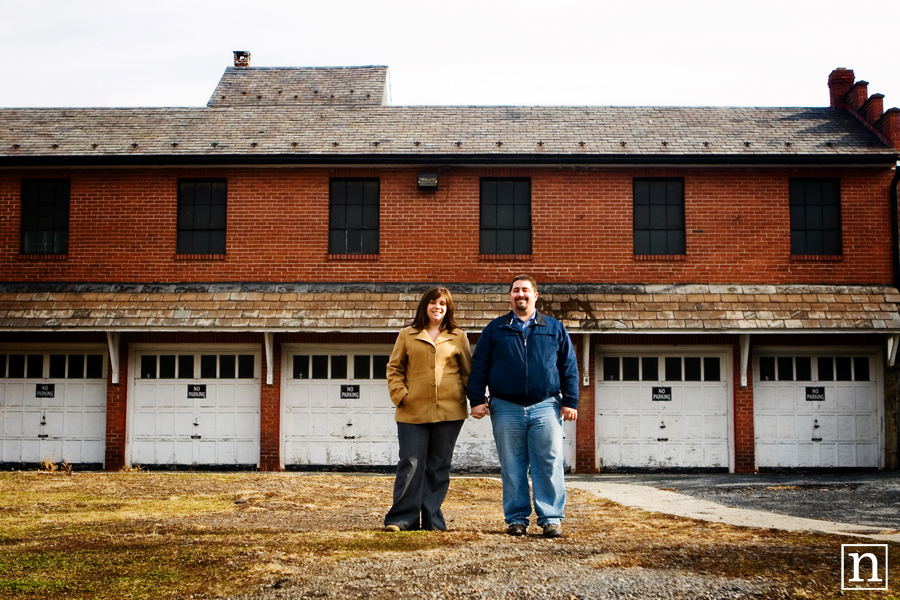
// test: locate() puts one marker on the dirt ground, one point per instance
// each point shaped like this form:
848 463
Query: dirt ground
289 535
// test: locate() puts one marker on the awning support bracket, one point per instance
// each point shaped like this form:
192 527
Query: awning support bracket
270 348
745 357
892 342
112 339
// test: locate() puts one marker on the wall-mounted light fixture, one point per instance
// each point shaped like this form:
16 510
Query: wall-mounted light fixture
428 181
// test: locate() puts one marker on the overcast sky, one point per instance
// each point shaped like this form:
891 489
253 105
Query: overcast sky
574 52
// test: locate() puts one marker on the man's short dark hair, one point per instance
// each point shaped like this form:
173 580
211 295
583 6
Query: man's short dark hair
527 278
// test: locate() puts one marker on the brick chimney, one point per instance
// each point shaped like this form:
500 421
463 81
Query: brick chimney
889 126
839 83
242 58
858 94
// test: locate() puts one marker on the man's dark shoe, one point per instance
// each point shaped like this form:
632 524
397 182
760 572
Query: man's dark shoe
516 529
552 530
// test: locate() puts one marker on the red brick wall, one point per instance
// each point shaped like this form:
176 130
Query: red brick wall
123 228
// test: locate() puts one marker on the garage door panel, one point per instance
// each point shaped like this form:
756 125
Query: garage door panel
786 427
689 398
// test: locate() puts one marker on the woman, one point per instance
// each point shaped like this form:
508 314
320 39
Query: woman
427 375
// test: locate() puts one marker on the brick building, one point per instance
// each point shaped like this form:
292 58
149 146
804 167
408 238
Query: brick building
221 285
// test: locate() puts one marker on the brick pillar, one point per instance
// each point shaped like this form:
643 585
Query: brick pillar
585 427
839 83
116 411
270 412
744 434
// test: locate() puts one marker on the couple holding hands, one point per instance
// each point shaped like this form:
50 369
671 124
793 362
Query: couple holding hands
527 362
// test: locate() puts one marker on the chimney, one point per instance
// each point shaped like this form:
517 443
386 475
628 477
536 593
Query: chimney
839 83
858 94
889 126
873 108
242 58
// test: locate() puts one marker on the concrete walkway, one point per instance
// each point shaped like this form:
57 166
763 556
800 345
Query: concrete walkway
655 500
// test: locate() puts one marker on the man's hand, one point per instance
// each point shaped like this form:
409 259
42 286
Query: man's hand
568 414
480 411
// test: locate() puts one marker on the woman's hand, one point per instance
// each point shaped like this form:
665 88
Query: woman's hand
480 411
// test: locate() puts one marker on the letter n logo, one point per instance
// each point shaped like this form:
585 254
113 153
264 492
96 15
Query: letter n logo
864 566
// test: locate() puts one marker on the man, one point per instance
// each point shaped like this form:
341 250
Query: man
527 361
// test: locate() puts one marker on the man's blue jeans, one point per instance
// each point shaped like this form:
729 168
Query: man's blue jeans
530 436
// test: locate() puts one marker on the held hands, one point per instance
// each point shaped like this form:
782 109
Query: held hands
480 411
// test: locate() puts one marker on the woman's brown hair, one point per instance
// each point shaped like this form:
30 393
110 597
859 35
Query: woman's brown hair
448 323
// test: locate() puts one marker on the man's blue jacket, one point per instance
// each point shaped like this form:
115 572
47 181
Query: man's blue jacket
524 373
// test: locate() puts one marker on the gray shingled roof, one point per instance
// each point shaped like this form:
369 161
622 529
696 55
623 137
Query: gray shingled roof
256 123
387 307
321 86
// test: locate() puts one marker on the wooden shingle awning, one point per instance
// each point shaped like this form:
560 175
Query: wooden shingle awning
386 307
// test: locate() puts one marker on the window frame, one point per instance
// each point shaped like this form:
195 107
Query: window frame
34 210
675 232
217 246
795 207
512 244
364 238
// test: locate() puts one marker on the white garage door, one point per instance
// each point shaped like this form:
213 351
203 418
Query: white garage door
662 410
338 412
816 410
195 407
53 406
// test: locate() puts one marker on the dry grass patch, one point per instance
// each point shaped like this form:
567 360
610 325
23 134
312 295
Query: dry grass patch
155 535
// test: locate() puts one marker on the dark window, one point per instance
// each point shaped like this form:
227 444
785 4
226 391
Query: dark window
785 368
95 366
2 366
673 368
842 369
246 366
57 366
650 368
35 366
301 366
711 369
227 366
353 216
631 368
861 368
338 367
659 216
45 216
361 366
826 368
76 366
167 366
208 366
610 368
17 366
815 216
320 366
767 368
201 216
185 366
804 368
692 371
379 366
148 367
505 216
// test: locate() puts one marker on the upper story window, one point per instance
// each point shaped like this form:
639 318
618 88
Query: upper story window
202 215
45 216
659 216
815 216
353 216
505 216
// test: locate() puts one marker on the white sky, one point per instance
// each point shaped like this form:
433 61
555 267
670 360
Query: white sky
576 52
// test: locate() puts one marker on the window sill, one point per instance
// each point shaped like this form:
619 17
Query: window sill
661 257
505 257
42 257
368 257
200 257
817 257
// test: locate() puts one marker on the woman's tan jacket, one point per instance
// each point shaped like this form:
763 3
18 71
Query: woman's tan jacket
427 380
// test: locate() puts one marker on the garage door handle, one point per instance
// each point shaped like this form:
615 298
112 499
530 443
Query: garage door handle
817 439
662 439
42 435
195 437
349 437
